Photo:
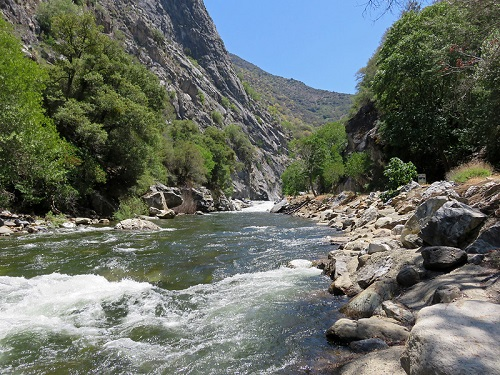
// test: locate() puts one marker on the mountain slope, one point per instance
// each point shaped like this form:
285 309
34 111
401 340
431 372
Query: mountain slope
178 41
294 99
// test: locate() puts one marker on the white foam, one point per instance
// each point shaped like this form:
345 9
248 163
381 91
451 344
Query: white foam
259 206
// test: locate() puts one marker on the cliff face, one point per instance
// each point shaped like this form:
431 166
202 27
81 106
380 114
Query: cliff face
179 42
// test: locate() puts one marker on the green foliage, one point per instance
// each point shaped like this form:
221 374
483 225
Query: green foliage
250 91
199 158
201 97
217 118
106 104
399 173
357 165
436 84
34 160
294 178
130 207
467 171
320 154
240 143
225 102
55 220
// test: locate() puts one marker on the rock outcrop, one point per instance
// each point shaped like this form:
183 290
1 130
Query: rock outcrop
443 295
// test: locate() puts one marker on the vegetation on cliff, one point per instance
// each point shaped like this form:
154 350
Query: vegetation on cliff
93 126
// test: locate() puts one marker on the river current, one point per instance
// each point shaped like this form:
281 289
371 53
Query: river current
205 295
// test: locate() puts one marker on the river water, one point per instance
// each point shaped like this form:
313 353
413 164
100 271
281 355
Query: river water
206 295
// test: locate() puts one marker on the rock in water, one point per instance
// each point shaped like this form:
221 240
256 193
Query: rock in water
137 224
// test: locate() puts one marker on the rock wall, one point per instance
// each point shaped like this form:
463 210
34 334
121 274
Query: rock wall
179 42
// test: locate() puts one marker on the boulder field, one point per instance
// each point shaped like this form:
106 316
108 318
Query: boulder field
421 273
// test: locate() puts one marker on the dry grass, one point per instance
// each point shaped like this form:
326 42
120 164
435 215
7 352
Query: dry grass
468 171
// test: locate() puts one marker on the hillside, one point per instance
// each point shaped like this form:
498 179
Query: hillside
294 100
179 43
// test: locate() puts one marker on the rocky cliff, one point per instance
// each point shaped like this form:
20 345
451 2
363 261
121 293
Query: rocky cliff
179 42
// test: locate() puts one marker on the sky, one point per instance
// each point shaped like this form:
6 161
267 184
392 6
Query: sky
322 43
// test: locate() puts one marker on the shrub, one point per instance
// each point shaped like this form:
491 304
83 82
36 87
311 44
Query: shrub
399 173
130 207
217 117
465 172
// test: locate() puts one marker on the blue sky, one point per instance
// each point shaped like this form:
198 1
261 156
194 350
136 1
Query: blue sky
322 43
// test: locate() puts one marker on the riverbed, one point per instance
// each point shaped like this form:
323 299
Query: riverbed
208 294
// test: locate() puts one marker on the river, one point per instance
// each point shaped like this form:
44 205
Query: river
205 295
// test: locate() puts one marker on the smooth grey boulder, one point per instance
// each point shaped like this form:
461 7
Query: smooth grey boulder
452 225
443 258
488 240
460 338
347 330
162 197
380 362
422 214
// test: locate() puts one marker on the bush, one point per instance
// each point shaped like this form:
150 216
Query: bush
399 173
465 172
130 207
217 117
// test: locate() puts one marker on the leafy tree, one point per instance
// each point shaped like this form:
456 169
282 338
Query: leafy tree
435 84
106 104
357 165
34 161
294 178
240 143
320 154
223 157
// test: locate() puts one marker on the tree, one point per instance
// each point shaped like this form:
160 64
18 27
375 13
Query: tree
320 155
419 96
107 104
34 161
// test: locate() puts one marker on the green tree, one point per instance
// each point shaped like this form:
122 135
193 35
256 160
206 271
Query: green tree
428 86
108 105
34 160
357 165
294 178
320 154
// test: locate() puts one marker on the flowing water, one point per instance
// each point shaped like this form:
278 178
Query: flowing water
206 295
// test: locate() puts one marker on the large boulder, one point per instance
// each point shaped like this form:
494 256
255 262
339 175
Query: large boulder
460 338
379 362
488 240
443 258
137 224
452 225
422 215
365 303
196 200
347 330
162 197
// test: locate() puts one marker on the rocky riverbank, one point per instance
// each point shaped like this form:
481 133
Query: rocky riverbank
422 274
